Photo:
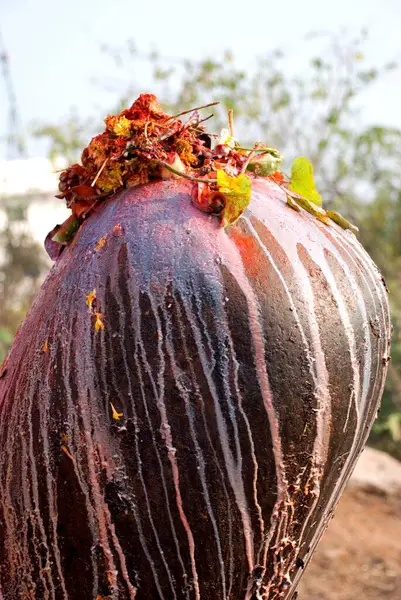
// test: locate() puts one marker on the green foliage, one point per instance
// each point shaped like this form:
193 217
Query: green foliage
312 112
302 180
237 191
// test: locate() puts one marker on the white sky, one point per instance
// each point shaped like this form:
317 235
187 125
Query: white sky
54 51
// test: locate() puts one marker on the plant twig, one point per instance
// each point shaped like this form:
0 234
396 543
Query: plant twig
260 150
205 119
248 160
231 122
99 172
284 173
185 112
88 210
182 174
66 452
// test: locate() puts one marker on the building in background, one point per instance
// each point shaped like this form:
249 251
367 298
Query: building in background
33 183
28 211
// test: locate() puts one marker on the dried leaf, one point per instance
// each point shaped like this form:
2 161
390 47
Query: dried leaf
84 191
100 243
90 298
99 325
66 452
341 221
237 192
53 249
292 204
116 415
310 207
81 206
265 164
206 199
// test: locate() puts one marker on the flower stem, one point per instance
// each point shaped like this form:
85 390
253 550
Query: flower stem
231 122
185 112
182 174
99 172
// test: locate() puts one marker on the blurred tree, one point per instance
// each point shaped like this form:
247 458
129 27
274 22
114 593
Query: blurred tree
22 266
380 224
68 138
313 112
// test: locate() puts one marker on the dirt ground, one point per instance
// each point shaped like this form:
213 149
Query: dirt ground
359 557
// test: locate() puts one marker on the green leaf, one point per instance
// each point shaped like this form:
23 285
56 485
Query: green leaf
266 163
67 230
237 192
302 181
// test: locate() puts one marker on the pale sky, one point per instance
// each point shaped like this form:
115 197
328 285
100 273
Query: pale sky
54 52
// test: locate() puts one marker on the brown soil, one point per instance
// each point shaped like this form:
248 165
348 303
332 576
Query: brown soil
359 557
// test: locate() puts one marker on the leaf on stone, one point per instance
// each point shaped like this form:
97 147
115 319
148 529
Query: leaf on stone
67 230
115 414
310 207
100 243
302 180
237 192
84 191
90 298
53 249
99 325
341 221
265 164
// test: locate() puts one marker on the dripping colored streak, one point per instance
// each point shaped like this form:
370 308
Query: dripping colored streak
127 297
74 433
171 452
200 325
20 449
233 262
346 322
367 367
318 371
85 398
123 326
200 458
353 248
232 468
233 465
